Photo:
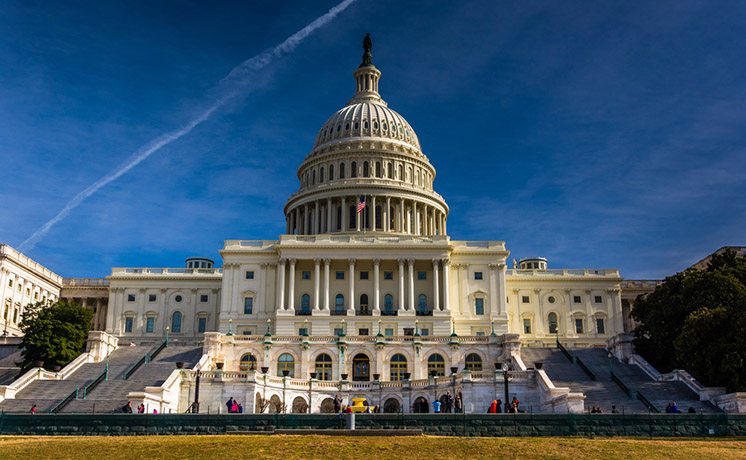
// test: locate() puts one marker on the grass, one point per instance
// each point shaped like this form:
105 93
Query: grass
338 447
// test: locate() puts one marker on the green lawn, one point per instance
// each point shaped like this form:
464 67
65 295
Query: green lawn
336 448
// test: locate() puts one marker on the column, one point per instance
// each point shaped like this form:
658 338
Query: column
291 286
316 282
281 285
463 280
446 285
436 287
351 302
327 262
410 262
358 217
316 222
328 215
401 285
539 326
376 287
235 289
493 289
402 219
372 213
416 219
502 291
387 219
344 214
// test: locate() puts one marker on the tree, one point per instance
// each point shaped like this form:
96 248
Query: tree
54 333
694 321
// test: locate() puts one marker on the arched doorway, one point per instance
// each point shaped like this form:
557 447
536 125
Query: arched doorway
323 367
420 405
327 406
391 406
361 368
299 405
274 404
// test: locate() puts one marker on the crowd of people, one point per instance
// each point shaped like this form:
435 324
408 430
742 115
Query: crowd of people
496 407
234 407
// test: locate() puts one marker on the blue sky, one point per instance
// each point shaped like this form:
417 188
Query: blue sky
596 134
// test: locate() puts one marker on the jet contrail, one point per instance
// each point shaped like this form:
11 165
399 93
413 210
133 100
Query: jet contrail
229 86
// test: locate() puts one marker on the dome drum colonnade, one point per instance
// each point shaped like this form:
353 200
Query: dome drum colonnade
366 151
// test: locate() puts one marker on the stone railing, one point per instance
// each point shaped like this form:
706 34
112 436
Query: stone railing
467 339
85 282
680 375
606 272
30 264
558 399
120 271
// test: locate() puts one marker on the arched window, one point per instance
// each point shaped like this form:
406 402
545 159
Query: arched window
422 304
378 169
331 172
436 365
364 304
388 304
305 304
379 218
353 217
398 367
323 367
321 174
353 169
339 303
391 171
473 362
341 170
360 368
552 321
401 172
286 362
339 217
176 322
313 177
366 170
247 363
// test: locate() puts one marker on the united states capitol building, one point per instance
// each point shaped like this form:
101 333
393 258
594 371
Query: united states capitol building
367 295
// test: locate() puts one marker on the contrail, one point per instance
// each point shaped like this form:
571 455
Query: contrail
229 87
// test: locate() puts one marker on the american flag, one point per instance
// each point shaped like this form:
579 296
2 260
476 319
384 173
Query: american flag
361 205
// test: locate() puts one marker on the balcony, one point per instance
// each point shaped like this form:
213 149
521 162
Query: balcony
303 312
385 312
424 311
338 312
364 311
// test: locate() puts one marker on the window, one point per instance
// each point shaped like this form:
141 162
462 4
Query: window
176 322
339 275
331 172
600 327
478 275
576 299
551 299
364 303
525 299
363 275
388 304
303 331
366 172
321 174
203 298
10 283
178 298
342 171
409 331
398 367
128 321
151 297
306 275
323 367
578 325
249 275
339 303
425 331
201 324
388 332
130 297
353 169
526 326
388 275
360 368
248 305
480 333
421 276
479 306
338 331
286 362
363 331
36 296
598 299
552 320
248 332
436 365
149 324
247 363
305 304
473 362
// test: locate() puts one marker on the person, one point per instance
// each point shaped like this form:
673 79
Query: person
155 411
449 402
33 409
514 405
337 404
436 406
499 407
458 403
234 407
141 408
493 407
614 410
240 409
127 408
691 410
674 408
229 404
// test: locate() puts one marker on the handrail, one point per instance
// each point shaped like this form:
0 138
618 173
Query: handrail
93 384
585 368
647 402
564 351
621 384
67 400
147 357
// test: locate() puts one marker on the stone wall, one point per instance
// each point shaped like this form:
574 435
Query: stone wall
658 425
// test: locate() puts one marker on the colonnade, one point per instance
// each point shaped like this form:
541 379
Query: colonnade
381 213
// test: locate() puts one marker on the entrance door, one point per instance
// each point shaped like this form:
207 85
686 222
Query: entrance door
360 368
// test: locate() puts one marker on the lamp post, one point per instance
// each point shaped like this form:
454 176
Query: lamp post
610 356
195 405
264 390
285 373
167 329
506 377
305 328
454 370
230 326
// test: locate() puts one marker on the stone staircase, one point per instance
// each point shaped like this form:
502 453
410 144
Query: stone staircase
658 393
111 395
9 356
46 393
602 392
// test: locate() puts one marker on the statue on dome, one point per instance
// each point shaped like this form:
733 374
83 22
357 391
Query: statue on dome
367 47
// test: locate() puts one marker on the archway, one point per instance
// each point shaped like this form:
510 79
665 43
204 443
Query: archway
420 405
275 404
391 406
327 406
299 405
361 368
